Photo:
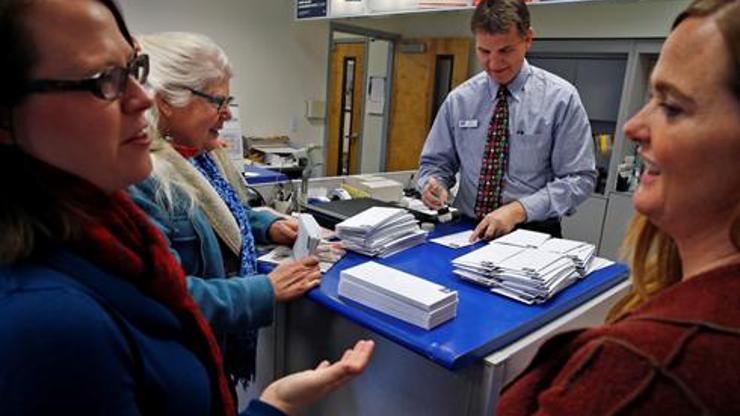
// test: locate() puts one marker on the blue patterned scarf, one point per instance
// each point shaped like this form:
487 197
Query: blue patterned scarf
207 166
240 349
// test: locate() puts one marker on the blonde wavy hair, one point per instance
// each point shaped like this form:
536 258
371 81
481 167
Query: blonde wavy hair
652 254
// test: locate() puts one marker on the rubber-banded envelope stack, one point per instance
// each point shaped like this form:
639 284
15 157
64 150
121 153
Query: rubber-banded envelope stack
525 265
380 231
399 294
580 252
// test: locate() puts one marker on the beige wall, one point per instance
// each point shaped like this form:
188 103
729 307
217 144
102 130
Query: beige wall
279 63
591 19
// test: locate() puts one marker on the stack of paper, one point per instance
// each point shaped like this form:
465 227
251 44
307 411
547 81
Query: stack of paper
529 275
581 253
401 295
380 231
527 266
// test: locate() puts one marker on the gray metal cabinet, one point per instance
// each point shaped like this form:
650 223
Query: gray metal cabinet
587 222
599 82
619 212
562 67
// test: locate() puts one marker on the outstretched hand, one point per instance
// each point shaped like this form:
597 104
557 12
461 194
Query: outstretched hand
292 393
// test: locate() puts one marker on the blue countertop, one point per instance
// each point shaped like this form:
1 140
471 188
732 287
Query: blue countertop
256 174
485 321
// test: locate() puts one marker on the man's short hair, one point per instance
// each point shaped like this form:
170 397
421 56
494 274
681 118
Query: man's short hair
496 16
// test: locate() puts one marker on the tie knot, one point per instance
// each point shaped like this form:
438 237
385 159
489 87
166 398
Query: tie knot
502 92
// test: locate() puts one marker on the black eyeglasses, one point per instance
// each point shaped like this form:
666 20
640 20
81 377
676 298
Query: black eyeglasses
108 85
218 100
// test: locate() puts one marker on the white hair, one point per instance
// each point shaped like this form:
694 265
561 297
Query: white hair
178 61
182 60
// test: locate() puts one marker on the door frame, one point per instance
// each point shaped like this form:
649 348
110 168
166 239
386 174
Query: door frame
366 33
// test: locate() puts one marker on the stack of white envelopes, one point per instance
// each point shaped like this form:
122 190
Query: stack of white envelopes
399 294
524 265
580 252
380 231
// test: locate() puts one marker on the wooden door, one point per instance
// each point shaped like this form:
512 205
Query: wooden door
414 77
345 107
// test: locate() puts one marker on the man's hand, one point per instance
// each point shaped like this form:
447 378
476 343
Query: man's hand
434 195
499 222
292 393
293 279
283 231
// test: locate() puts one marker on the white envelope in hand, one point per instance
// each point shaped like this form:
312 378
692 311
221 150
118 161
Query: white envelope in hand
309 236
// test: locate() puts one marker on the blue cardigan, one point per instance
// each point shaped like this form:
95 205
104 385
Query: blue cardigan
229 304
75 339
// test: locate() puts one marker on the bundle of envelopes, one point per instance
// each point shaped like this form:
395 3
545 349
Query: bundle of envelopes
399 294
380 231
306 244
527 266
309 236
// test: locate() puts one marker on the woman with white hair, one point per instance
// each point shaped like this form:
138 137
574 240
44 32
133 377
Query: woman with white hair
195 197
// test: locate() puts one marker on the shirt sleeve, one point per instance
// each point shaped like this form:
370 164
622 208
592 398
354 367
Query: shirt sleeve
61 354
229 304
235 303
260 221
573 166
439 156
260 408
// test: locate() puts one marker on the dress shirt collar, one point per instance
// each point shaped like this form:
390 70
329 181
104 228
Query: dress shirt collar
516 86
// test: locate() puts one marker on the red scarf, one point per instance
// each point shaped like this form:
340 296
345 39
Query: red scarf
186 151
119 238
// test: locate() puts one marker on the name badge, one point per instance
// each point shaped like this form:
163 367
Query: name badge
468 124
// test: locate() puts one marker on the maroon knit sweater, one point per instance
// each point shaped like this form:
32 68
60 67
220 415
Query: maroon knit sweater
678 354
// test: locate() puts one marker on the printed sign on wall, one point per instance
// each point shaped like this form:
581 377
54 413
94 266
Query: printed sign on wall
310 8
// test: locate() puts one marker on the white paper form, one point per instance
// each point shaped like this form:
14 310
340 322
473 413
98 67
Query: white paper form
284 254
561 245
488 256
599 263
370 219
457 240
523 238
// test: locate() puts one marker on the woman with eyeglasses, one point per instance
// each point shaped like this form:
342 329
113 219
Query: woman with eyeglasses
195 196
95 314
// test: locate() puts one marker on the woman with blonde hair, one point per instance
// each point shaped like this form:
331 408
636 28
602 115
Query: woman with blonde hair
673 345
197 199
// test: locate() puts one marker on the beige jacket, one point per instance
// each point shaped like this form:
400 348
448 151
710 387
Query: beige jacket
180 170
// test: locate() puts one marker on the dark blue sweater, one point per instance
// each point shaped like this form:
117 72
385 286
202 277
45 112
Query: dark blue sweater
77 340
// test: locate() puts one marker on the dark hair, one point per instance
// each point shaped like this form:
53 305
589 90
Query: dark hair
18 54
726 14
497 16
32 214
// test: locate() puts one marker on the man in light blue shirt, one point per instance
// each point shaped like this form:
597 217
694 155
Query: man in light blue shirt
551 166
